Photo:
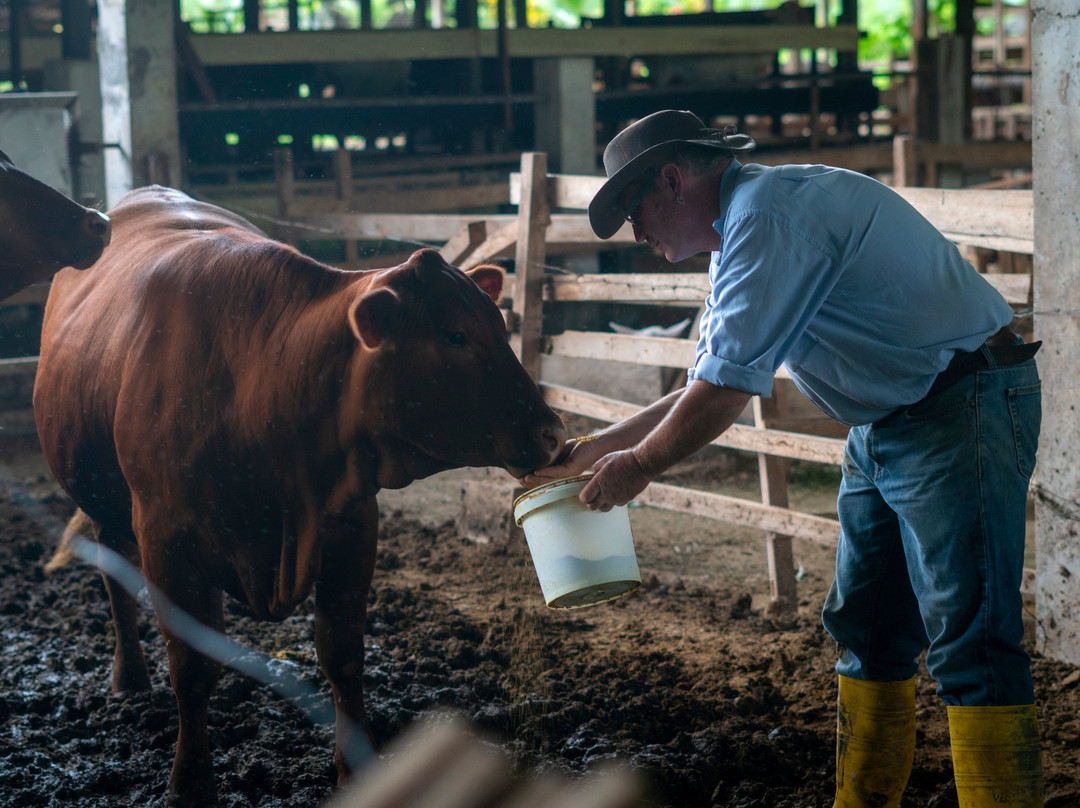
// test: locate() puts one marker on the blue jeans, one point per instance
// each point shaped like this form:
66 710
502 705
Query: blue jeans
931 553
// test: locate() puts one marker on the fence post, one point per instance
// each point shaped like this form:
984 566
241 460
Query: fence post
905 162
285 186
529 257
773 472
343 187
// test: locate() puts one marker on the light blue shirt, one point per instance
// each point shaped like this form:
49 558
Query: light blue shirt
836 276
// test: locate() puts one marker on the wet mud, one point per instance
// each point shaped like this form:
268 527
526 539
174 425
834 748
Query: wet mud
710 700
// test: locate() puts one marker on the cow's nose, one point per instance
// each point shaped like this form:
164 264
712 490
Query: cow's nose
552 438
96 223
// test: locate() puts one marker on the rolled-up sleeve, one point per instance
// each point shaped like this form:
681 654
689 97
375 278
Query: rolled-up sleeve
768 281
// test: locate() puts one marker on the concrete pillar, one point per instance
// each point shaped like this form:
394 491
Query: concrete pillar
81 76
566 114
137 58
1055 42
35 131
566 126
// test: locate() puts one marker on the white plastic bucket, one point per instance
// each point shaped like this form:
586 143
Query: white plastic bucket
581 557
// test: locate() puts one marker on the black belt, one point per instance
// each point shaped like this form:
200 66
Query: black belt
964 363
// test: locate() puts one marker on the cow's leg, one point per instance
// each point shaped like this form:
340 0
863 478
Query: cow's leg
193 676
341 596
130 673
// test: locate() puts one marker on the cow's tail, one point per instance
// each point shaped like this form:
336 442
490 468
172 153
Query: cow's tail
79 526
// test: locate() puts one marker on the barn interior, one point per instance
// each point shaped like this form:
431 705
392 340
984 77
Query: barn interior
282 107
360 131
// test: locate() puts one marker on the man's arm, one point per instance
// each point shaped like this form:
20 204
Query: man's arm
694 419
580 454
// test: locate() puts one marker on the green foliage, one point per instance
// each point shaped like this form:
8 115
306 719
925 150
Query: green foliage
887 27
563 13
887 24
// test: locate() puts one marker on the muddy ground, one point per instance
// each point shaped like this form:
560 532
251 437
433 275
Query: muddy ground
687 680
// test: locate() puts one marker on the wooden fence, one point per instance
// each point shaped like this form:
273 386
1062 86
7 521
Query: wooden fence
990 220
983 220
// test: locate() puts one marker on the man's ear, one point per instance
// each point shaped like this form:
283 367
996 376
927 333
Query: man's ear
672 179
372 316
489 277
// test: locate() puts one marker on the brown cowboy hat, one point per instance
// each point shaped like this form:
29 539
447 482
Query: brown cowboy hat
646 143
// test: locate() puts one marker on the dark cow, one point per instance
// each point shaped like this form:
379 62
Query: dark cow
225 410
42 231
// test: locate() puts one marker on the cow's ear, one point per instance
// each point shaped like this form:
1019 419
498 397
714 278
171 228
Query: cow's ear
489 278
372 316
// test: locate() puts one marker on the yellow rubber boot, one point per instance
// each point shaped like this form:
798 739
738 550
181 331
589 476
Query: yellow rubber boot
996 757
875 742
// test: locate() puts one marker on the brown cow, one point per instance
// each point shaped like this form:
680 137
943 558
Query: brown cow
42 231
225 409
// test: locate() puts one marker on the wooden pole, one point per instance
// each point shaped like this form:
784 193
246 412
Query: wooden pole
529 258
905 166
343 187
773 474
15 41
285 188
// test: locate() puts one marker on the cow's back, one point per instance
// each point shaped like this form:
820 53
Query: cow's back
135 333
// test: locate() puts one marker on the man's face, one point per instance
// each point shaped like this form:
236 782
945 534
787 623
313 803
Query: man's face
672 211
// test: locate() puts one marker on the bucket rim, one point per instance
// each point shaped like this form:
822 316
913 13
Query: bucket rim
546 493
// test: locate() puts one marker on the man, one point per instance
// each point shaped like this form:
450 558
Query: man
886 328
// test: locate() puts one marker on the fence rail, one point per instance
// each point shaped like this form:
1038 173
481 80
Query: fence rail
985 219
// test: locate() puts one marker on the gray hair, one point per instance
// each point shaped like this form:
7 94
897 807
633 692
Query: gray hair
699 159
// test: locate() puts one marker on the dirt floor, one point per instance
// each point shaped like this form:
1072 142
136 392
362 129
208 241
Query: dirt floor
687 680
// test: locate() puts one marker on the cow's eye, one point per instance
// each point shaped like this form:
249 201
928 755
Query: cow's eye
455 337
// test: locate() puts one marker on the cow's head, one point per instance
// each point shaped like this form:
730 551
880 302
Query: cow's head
42 231
441 372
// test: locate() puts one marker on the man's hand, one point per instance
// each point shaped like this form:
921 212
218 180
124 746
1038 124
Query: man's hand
617 479
576 458
627 456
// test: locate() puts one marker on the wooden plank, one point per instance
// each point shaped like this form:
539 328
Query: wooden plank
1014 287
998 220
420 227
658 287
387 199
289 47
1004 183
460 246
575 190
564 190
19 366
693 287
656 351
565 229
530 256
744 438
977 153
412 200
664 352
568 228
817 529
35 294
497 245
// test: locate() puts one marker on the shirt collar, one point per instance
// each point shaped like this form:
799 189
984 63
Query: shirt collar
727 188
